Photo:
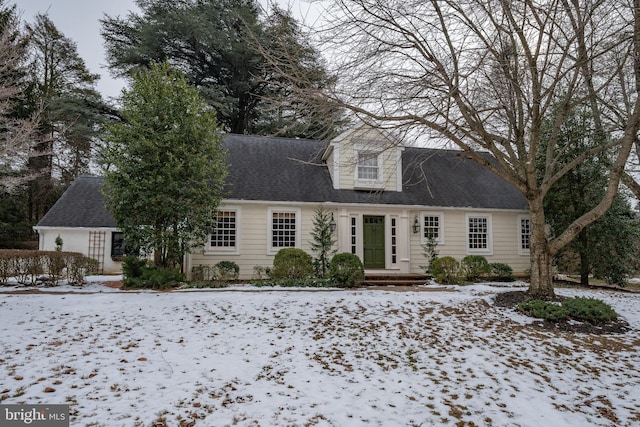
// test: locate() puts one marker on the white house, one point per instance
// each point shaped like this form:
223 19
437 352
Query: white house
385 198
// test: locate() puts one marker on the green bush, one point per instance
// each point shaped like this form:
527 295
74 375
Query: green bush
501 271
543 310
137 274
446 270
132 267
474 267
226 270
589 310
346 270
292 263
154 278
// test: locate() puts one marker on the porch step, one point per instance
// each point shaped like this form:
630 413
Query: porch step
395 279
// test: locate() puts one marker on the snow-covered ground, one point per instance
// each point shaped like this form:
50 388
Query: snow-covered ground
313 358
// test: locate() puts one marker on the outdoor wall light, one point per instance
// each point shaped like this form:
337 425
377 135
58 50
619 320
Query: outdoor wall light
332 224
416 225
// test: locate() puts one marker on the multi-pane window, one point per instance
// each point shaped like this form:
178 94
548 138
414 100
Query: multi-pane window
283 230
225 234
431 227
117 244
394 241
354 230
367 166
478 228
525 231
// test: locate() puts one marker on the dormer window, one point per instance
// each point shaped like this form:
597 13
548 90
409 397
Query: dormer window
368 172
367 166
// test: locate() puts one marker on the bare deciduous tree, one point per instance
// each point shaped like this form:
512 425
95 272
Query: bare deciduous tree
17 135
484 74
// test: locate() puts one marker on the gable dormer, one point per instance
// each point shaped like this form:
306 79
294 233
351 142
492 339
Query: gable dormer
365 158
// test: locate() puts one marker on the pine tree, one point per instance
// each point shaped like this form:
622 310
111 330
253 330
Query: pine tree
323 243
61 84
221 46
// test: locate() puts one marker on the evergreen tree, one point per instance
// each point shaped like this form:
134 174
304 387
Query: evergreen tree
608 247
323 243
165 168
219 45
72 112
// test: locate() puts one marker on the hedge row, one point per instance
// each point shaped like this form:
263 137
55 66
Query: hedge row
29 267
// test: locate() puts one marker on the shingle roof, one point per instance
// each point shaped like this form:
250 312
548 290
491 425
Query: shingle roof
82 205
291 170
281 169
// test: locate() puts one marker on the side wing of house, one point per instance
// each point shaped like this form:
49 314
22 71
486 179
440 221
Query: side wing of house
105 245
81 220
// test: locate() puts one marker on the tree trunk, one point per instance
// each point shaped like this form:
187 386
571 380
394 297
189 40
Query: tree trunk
585 262
541 282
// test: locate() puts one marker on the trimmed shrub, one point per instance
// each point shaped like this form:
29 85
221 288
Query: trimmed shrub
78 266
292 263
346 270
55 264
29 266
543 310
446 270
200 273
589 310
6 269
474 267
501 271
260 272
226 270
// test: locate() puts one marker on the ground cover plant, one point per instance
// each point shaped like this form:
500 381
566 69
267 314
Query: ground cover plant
588 310
316 358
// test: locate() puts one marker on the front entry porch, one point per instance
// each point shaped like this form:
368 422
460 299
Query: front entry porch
381 238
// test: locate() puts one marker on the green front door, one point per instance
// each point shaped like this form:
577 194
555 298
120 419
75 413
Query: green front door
373 241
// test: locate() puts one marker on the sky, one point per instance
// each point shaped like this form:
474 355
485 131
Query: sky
79 21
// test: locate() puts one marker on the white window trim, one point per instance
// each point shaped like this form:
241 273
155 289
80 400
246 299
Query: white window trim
521 250
378 183
440 240
489 249
271 250
336 168
232 250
